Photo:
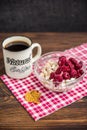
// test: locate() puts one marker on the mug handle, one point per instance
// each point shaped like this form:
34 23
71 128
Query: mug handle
39 51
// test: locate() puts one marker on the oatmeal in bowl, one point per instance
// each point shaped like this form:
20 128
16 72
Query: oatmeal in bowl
59 71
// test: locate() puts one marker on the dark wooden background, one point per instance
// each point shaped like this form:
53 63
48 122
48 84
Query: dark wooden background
43 15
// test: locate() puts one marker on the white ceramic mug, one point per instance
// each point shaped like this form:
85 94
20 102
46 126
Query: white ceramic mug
18 64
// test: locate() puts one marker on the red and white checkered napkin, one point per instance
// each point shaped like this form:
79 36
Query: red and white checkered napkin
49 101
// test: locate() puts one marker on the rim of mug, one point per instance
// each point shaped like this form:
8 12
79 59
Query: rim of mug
13 36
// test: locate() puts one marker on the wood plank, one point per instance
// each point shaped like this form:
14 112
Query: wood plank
13 115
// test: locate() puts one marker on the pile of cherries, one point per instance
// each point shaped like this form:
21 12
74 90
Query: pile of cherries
67 69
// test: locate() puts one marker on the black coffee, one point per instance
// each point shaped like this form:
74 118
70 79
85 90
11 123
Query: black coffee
16 46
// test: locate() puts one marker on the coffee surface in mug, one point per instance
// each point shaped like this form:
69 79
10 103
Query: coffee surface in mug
17 46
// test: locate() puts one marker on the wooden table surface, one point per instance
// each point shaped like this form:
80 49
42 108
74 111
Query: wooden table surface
14 117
